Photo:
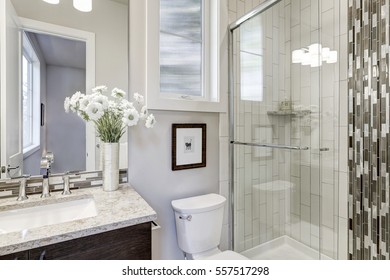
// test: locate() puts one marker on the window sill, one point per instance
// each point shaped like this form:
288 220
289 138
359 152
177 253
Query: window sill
28 151
176 104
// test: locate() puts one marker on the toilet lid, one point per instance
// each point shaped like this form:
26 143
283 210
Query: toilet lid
227 255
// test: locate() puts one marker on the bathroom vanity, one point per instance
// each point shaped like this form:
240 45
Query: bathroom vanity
89 224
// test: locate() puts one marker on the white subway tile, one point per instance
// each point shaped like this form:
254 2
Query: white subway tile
327 204
248 215
305 225
315 215
343 239
305 185
327 242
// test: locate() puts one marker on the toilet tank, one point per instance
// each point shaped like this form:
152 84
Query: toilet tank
199 222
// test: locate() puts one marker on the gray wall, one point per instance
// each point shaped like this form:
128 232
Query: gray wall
151 175
65 132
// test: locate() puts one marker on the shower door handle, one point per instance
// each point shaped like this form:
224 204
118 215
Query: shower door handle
272 146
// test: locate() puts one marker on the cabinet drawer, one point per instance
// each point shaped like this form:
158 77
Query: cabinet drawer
130 243
16 256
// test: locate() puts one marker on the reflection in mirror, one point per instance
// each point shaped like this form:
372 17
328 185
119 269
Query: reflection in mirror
44 125
52 68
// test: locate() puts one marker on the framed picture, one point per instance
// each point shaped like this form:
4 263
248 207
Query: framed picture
188 146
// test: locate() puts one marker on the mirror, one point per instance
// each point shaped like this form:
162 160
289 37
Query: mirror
74 51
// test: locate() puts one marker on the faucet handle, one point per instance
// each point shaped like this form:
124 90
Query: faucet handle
22 187
65 178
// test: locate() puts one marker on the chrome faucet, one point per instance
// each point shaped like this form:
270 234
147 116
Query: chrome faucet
45 186
46 166
66 190
22 188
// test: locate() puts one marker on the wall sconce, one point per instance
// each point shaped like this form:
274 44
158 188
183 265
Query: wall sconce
314 55
81 5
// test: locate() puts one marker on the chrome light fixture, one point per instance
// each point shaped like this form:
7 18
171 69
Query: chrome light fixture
52 1
83 5
314 55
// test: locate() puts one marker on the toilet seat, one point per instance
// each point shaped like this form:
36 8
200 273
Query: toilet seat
227 255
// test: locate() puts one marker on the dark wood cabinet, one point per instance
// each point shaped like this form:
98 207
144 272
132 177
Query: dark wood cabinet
16 256
130 243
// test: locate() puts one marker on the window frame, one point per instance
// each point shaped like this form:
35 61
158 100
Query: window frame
145 66
29 52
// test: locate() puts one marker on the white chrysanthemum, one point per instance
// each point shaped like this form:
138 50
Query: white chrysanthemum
84 102
111 104
130 117
126 105
99 89
143 113
94 111
139 98
150 121
74 100
118 93
114 108
67 104
103 100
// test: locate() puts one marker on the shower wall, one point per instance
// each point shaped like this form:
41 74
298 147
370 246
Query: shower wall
368 85
314 210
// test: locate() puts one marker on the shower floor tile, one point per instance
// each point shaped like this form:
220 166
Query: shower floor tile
283 248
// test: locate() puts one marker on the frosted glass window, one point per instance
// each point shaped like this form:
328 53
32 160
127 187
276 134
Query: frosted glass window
251 59
30 98
181 47
251 77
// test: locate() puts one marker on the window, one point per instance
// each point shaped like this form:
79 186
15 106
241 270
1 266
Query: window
251 60
179 54
183 47
31 98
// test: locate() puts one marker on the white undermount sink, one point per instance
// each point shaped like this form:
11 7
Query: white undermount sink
42 215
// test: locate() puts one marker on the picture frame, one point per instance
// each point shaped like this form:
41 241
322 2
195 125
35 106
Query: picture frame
188 146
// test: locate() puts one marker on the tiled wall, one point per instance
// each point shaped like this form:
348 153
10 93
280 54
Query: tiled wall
86 179
368 119
262 216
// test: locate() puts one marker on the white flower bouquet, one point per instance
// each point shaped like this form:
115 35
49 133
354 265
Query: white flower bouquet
111 116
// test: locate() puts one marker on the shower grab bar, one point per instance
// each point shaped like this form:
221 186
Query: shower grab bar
273 146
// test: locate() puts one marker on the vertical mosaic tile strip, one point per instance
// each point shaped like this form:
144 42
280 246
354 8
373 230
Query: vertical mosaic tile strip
368 120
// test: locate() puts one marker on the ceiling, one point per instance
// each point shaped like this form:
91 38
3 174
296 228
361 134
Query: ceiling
59 51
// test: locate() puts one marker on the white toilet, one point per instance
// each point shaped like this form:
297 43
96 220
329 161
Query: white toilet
199 225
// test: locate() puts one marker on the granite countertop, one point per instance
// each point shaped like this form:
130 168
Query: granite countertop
117 209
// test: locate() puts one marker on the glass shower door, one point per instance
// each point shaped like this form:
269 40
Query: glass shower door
277 120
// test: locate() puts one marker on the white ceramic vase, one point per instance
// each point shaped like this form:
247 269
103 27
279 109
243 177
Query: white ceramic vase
110 167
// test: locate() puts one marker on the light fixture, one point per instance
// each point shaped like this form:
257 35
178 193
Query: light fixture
83 5
52 1
314 55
